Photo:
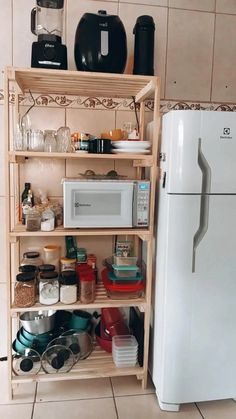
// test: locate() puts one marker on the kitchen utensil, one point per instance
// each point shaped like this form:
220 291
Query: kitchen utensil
37 322
80 320
46 23
57 358
84 339
71 342
29 362
104 343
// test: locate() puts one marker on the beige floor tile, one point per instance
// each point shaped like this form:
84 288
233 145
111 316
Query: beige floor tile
127 386
23 411
22 393
83 409
220 409
71 390
142 406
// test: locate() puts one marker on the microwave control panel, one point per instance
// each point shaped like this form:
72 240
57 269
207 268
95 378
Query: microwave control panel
141 203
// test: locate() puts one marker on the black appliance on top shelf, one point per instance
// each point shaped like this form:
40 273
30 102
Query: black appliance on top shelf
100 43
144 46
46 23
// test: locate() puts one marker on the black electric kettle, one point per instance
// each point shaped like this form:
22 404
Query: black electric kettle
100 43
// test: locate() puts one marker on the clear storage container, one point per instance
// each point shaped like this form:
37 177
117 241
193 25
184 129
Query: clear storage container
126 261
25 289
125 271
48 288
52 255
87 286
68 287
31 258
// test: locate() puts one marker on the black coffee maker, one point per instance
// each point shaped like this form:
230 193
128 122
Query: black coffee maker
46 23
144 46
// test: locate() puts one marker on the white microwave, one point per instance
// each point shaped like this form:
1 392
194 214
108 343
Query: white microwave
106 203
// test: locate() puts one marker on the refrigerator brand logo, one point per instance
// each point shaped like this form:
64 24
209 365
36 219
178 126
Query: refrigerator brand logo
226 134
77 205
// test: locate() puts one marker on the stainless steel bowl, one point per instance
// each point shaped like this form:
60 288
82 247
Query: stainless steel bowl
37 322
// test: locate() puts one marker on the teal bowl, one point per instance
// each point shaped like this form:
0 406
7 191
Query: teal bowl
23 339
18 347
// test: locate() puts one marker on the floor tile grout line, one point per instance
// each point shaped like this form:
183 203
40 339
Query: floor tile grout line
114 399
72 400
198 408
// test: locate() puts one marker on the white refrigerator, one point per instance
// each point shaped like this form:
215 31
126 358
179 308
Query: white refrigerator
194 330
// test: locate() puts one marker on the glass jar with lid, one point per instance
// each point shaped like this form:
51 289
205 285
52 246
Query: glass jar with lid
87 286
31 258
68 287
33 220
50 143
68 264
48 288
51 255
25 290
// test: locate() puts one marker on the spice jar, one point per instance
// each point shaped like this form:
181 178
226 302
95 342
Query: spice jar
68 264
48 288
48 220
25 289
52 255
68 287
87 286
31 258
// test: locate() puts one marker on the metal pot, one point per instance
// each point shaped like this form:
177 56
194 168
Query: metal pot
37 322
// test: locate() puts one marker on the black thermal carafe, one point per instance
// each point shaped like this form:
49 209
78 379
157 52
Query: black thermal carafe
144 46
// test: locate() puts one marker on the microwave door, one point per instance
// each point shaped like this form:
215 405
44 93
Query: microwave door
94 204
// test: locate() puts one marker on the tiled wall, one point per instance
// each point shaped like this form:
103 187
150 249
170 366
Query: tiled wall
195 44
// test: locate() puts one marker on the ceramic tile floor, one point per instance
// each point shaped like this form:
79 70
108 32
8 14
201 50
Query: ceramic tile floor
116 398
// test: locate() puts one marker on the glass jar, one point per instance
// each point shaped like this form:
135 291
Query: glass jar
46 267
25 290
33 220
48 288
87 286
35 140
31 258
50 143
48 220
68 287
63 140
52 255
68 264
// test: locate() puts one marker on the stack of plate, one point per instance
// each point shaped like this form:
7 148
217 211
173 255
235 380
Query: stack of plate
124 351
135 147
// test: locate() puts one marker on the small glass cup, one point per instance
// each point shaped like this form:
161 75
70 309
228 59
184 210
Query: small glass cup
50 143
35 140
63 140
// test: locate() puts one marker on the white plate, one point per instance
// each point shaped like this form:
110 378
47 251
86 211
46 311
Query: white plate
130 150
131 144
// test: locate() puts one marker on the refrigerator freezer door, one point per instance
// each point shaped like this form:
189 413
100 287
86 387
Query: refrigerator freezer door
195 312
194 137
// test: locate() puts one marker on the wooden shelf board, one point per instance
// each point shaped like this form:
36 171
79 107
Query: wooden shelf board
82 83
20 231
101 301
140 159
98 364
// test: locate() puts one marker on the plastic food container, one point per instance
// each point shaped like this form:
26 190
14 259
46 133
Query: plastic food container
125 271
126 261
121 292
135 280
124 351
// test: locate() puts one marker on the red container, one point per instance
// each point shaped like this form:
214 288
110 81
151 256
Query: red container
120 291
106 344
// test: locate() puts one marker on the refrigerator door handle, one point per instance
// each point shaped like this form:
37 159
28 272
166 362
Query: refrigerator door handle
204 203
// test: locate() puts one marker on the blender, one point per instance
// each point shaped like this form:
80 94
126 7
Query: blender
46 23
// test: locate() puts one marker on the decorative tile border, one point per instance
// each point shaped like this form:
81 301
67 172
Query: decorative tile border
114 103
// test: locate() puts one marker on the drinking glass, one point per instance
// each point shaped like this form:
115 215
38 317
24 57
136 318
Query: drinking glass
63 140
50 143
35 140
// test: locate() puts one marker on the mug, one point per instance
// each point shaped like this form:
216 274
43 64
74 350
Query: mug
80 320
100 146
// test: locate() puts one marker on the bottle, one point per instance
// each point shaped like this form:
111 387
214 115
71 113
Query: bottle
26 205
24 196
144 46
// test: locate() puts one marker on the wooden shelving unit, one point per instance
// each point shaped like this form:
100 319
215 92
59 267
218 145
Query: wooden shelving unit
99 363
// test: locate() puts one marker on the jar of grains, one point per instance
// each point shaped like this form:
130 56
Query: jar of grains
68 287
68 264
48 288
25 289
87 286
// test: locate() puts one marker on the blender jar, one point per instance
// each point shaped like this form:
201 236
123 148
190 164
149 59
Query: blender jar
47 18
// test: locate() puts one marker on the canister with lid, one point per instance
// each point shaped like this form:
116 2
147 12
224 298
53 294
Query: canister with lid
68 287
31 258
87 286
68 264
48 288
25 289
52 255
